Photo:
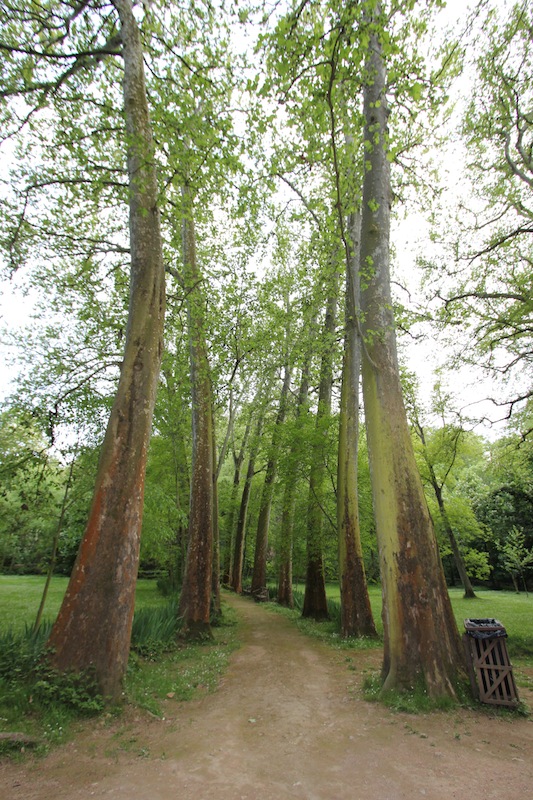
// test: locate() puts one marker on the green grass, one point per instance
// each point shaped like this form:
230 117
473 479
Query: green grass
20 596
514 611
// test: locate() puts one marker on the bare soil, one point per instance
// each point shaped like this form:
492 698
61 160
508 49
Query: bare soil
287 721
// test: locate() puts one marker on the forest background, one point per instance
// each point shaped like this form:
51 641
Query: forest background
265 135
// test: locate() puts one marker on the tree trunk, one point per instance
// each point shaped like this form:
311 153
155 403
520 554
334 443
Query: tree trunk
176 433
53 556
93 629
240 533
315 601
356 612
196 592
216 607
285 594
421 641
259 585
437 490
238 459
229 549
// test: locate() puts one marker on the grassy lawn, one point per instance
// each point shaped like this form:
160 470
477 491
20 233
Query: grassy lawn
20 596
514 611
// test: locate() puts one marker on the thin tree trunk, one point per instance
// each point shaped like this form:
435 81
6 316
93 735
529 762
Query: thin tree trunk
216 608
356 612
196 592
238 459
259 585
182 482
229 550
437 489
457 555
53 556
285 593
240 534
93 629
421 641
315 601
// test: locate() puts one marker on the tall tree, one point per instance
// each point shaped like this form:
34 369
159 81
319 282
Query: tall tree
356 612
93 627
259 576
315 601
421 641
196 591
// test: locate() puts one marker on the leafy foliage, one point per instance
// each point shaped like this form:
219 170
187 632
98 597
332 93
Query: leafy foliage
29 685
515 557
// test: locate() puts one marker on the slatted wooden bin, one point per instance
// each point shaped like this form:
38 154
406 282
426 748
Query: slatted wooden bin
491 673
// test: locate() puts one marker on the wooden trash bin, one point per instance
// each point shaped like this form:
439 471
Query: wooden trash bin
491 673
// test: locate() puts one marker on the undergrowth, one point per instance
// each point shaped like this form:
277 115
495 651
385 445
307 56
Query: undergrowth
43 704
35 699
155 629
183 670
414 700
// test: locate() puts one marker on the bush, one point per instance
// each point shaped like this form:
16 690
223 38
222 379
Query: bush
27 682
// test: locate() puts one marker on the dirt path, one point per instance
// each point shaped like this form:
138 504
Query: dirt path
288 721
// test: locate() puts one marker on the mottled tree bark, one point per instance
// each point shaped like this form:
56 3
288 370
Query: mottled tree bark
93 629
356 612
421 641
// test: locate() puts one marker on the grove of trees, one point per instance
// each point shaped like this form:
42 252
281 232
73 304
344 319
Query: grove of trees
202 202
